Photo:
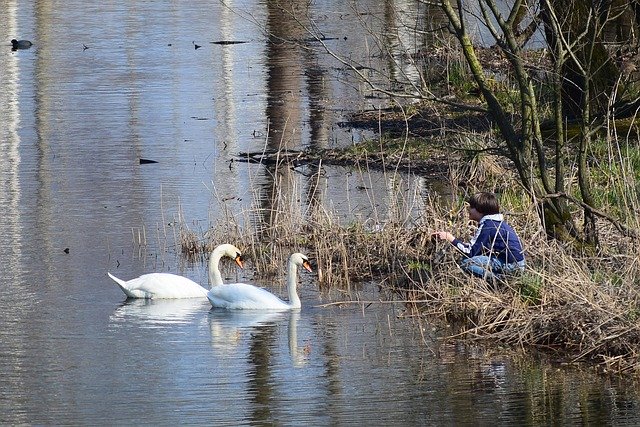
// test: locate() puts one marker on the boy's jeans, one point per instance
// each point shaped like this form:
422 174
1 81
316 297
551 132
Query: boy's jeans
490 268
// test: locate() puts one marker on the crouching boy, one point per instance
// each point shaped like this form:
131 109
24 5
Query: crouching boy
495 249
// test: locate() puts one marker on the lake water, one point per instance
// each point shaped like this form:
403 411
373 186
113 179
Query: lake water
109 83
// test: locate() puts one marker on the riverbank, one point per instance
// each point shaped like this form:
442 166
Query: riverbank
577 306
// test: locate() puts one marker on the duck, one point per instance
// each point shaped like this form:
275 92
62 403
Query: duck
20 44
243 296
167 285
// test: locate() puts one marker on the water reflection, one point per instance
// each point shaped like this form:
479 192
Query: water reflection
75 123
257 333
334 387
284 73
158 313
260 373
225 101
401 19
283 111
230 328
10 185
288 191
299 354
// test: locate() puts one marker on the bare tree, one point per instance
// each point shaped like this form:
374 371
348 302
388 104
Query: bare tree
588 82
585 39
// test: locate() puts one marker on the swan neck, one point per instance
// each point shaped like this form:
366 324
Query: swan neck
294 300
215 278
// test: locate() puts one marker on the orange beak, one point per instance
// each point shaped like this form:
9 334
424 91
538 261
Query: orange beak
239 261
307 266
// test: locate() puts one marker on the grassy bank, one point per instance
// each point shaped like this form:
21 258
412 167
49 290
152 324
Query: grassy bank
578 306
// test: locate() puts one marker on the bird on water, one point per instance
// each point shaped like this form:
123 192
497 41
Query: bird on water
20 44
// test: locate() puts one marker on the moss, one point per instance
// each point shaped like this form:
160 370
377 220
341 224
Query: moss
529 288
391 146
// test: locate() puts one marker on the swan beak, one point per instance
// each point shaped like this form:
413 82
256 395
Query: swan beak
238 259
307 266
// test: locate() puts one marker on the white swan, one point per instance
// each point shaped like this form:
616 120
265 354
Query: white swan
167 285
242 296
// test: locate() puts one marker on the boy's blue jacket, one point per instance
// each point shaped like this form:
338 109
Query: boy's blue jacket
494 238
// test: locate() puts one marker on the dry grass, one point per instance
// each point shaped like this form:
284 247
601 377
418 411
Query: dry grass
578 308
562 310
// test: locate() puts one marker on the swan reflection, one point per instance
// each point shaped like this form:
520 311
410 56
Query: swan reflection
233 329
229 328
299 355
158 312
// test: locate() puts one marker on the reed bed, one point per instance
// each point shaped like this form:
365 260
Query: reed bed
577 307
563 311
580 308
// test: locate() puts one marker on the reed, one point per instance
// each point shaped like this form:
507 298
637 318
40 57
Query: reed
580 308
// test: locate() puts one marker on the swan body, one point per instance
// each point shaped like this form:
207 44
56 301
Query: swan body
20 44
167 285
241 296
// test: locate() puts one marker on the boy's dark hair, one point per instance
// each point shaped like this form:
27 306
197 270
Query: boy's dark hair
485 203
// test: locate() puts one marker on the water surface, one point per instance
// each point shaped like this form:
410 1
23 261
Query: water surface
108 84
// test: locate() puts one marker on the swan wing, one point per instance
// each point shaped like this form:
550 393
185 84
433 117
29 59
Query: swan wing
242 296
160 285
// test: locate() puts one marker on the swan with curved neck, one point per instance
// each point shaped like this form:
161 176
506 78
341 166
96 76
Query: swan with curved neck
167 285
241 296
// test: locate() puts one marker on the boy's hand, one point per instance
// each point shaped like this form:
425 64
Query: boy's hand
444 235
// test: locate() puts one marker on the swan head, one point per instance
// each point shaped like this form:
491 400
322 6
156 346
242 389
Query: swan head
300 260
230 251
